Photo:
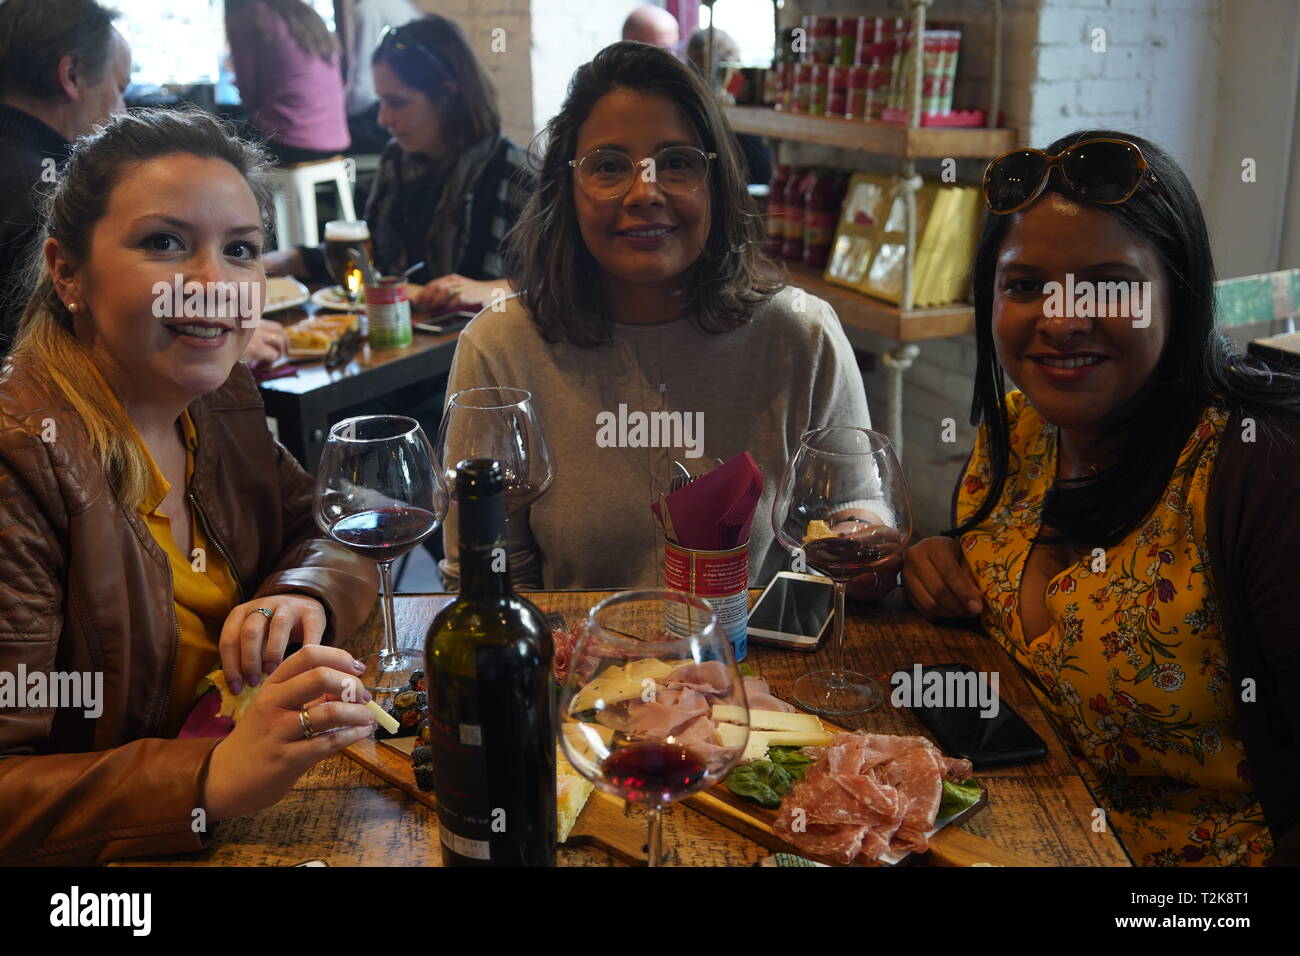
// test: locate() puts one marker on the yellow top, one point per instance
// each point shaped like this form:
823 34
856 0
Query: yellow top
1133 669
203 587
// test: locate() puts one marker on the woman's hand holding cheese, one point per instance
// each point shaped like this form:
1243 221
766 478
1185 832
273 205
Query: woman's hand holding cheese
252 644
268 749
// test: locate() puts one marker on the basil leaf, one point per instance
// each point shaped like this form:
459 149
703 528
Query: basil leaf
761 781
794 763
957 797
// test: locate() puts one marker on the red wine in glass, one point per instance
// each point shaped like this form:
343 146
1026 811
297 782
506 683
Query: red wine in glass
653 772
843 558
383 534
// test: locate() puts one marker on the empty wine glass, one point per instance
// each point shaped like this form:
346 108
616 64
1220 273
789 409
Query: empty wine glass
650 671
378 496
496 422
843 508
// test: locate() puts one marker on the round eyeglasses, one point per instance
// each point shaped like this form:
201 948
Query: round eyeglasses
605 174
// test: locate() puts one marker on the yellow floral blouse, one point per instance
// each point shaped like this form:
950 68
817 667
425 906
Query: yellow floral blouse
1132 670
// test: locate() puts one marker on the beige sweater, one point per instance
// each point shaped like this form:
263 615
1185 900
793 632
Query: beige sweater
756 388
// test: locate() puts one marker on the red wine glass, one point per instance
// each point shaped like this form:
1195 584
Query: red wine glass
843 510
500 423
378 496
637 708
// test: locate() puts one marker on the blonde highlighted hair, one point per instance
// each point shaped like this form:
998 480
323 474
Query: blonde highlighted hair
46 342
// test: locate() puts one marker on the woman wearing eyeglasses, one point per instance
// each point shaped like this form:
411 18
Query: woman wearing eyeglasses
449 183
644 292
1127 522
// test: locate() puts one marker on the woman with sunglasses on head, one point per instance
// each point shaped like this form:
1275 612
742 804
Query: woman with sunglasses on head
1126 523
644 290
449 184
151 529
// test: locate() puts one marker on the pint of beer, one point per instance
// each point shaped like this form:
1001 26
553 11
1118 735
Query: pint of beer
345 267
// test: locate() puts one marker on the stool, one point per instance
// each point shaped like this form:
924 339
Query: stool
294 186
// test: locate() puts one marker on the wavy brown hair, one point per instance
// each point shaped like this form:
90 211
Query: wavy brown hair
46 342
305 24
546 257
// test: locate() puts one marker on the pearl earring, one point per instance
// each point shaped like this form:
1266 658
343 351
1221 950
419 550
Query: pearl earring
72 307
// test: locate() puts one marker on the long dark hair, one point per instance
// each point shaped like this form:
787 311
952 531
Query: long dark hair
46 342
305 24
546 256
431 51
1197 367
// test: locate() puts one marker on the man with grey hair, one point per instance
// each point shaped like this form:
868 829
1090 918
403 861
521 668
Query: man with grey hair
63 70
653 25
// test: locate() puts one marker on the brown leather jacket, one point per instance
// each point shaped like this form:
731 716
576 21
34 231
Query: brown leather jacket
84 588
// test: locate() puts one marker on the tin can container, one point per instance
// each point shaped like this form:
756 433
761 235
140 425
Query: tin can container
388 311
721 578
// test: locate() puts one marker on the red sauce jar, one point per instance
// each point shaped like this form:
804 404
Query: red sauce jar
823 195
796 186
776 209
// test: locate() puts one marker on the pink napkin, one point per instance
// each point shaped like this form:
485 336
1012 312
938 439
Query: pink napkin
203 720
730 491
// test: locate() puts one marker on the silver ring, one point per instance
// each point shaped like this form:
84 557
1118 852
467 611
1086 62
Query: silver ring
305 723
265 611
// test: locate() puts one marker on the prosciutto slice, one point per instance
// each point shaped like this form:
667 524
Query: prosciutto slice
760 698
867 794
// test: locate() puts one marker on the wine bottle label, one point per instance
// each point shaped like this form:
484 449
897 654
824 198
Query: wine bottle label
474 849
461 778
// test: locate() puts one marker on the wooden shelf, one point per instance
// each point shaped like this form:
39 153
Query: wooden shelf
878 317
885 139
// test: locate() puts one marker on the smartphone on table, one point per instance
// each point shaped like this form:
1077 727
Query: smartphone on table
987 732
794 612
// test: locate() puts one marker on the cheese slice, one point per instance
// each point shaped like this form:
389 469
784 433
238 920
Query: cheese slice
384 717
732 735
620 682
768 719
796 738
756 749
571 793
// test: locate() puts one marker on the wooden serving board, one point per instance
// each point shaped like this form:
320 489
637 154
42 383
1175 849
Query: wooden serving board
603 823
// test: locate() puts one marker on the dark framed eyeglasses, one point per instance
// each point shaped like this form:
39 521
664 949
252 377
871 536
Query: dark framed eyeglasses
1102 171
344 349
606 174
394 41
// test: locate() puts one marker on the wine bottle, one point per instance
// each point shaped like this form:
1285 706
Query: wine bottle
490 685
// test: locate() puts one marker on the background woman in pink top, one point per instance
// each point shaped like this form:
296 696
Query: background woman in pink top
287 69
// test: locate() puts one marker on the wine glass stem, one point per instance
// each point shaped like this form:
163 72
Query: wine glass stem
654 835
386 598
837 667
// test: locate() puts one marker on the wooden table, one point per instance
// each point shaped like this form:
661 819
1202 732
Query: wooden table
347 816
1280 350
307 404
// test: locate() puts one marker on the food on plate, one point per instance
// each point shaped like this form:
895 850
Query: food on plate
282 289
868 794
318 332
409 709
767 781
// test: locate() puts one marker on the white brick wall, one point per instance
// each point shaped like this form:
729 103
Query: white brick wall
510 70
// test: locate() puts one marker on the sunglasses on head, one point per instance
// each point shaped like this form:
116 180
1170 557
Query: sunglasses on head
1103 171
393 40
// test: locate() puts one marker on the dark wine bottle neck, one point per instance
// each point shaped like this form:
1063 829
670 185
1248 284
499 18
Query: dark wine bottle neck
484 568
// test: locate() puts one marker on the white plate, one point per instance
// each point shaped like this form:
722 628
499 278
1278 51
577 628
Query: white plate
284 292
331 298
308 353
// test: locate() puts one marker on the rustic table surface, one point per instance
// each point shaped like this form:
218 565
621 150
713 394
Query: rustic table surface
343 814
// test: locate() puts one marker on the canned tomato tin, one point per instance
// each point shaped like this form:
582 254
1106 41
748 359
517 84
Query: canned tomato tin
721 578
389 313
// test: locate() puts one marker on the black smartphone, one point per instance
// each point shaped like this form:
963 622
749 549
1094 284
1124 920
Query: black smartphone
793 612
444 323
966 715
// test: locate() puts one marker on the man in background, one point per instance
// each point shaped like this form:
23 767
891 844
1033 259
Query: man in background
758 158
653 25
63 70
